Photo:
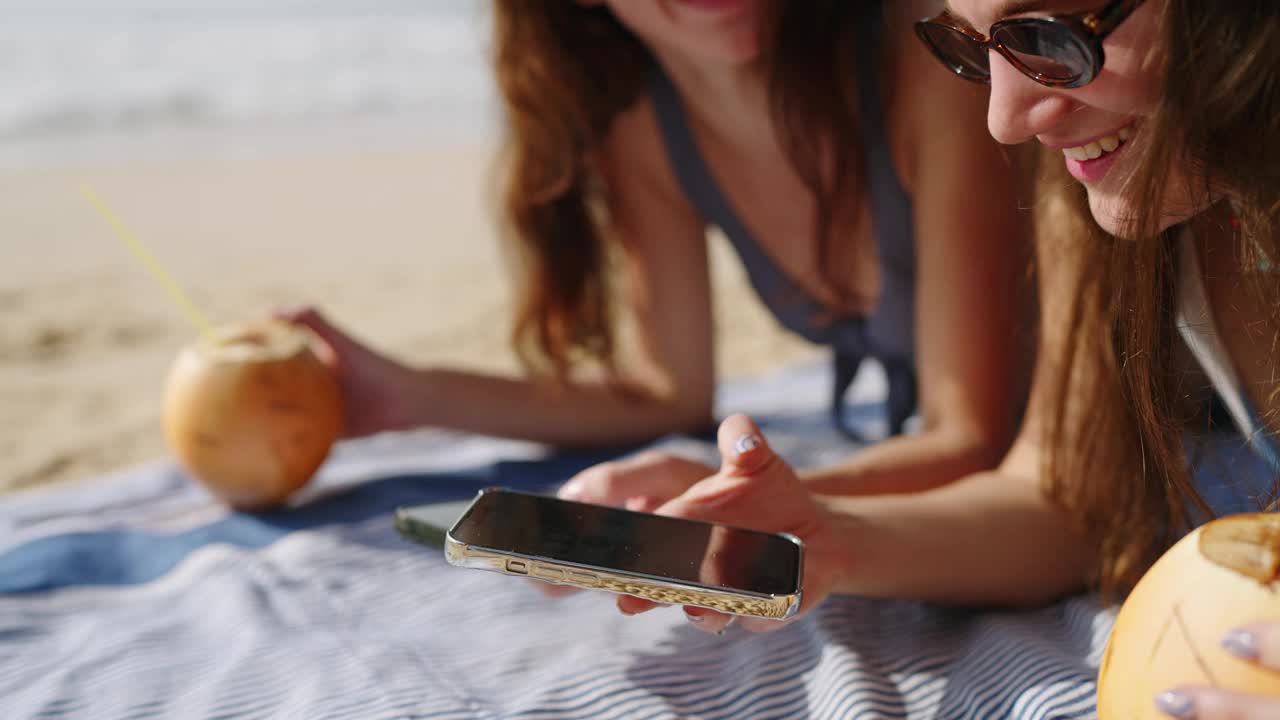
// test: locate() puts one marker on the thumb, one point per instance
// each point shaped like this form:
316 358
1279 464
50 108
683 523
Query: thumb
749 471
744 452
307 316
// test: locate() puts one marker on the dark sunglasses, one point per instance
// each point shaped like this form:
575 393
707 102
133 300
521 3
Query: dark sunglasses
1059 50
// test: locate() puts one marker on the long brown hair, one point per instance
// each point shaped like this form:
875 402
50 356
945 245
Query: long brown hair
1121 402
565 71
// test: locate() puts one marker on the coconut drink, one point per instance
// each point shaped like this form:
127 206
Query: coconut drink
251 412
1220 577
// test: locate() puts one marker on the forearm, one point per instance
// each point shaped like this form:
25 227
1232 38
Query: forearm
581 414
988 539
907 463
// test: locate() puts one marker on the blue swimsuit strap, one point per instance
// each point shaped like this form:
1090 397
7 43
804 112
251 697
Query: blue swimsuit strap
888 333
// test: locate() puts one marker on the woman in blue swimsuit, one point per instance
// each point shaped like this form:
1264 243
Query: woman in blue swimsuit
857 183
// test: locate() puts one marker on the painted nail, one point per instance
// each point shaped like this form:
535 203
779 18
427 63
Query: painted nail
1175 704
745 443
1241 643
695 615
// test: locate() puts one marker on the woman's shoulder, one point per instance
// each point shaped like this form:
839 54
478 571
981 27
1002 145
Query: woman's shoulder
640 183
919 80
633 154
634 134
926 103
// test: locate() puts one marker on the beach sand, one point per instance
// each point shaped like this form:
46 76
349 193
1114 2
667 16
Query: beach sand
396 241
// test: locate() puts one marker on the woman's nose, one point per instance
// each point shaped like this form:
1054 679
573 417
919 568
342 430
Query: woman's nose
1021 108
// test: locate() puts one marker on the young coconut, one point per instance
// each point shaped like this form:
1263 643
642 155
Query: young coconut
252 413
1167 633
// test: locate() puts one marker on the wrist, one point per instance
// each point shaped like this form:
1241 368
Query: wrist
833 479
415 401
829 560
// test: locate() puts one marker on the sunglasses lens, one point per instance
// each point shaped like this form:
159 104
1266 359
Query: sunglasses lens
956 50
1050 50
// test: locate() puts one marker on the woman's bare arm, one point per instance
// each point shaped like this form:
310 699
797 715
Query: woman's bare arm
667 375
974 303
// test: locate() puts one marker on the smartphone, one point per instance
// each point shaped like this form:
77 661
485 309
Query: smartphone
429 524
664 559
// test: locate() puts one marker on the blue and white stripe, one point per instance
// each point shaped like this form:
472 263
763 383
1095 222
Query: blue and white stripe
350 623
161 607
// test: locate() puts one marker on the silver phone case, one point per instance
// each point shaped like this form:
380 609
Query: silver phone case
658 589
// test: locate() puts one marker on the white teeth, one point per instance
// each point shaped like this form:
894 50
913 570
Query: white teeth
1099 147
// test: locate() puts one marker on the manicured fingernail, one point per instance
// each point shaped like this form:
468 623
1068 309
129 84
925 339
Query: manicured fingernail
1175 704
695 615
745 443
1241 643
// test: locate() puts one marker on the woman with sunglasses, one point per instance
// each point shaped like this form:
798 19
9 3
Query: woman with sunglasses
1161 227
1167 116
867 221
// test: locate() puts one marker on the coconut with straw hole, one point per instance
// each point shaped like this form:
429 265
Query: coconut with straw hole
250 411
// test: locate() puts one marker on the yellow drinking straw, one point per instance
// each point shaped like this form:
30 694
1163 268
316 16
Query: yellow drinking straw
153 266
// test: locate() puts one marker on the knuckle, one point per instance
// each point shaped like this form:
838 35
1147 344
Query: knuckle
650 457
606 476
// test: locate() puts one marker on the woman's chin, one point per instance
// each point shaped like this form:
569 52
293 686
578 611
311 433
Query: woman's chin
1116 216
1111 213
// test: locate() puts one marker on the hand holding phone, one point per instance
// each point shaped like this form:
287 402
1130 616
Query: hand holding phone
753 488
756 488
664 559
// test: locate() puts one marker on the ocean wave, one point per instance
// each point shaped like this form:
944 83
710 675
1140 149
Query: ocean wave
61 77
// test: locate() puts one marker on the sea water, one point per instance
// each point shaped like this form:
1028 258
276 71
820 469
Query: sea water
82 75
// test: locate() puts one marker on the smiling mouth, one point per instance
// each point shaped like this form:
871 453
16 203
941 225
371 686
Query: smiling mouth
1100 146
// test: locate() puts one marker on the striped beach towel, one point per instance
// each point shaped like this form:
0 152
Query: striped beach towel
135 596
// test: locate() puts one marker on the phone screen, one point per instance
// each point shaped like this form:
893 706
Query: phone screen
593 536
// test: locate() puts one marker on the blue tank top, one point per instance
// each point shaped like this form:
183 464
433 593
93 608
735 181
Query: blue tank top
887 332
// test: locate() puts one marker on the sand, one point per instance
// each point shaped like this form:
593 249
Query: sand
395 240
